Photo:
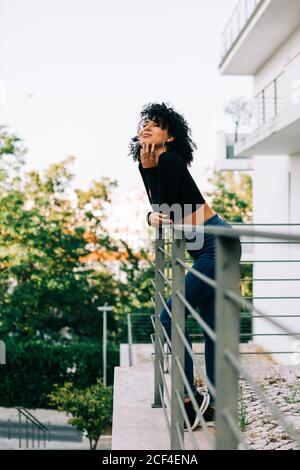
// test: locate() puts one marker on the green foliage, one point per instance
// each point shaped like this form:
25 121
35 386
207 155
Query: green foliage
12 153
51 286
232 198
48 285
242 410
34 366
91 408
232 195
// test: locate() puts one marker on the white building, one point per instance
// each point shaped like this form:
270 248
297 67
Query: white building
262 40
225 157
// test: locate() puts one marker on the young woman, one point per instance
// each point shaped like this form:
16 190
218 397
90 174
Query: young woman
164 149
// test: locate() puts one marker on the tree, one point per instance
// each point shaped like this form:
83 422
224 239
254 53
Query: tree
239 111
12 152
232 195
91 408
232 198
53 251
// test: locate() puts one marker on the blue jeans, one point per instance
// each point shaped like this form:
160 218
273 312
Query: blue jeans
199 294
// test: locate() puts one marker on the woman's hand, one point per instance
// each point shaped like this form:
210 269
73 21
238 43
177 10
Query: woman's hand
148 155
156 219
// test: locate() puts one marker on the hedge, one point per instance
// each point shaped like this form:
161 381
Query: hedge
34 366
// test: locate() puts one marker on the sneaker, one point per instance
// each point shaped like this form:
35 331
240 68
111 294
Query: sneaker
194 417
209 415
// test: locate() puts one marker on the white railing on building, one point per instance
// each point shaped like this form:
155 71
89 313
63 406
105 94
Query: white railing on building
242 14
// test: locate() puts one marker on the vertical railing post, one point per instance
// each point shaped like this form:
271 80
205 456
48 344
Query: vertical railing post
129 333
105 308
159 335
178 318
20 430
104 342
227 330
27 433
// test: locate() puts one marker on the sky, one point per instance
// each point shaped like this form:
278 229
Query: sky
75 74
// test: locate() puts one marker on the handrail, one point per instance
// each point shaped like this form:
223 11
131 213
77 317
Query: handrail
226 337
32 418
234 21
35 424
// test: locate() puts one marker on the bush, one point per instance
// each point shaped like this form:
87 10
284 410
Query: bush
91 409
34 367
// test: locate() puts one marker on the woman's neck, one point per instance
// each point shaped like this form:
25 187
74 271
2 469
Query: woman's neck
160 151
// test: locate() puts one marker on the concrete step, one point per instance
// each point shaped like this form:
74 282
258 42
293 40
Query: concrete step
63 435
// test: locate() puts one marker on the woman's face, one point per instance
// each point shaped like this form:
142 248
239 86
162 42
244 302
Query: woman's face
150 132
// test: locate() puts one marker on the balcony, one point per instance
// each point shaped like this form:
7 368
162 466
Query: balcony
276 117
255 23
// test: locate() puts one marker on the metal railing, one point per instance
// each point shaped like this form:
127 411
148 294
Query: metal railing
242 14
31 430
270 101
229 369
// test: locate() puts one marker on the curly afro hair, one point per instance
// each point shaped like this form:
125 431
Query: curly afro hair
177 126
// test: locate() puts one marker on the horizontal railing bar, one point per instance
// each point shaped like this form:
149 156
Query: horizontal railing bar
166 336
200 276
242 224
200 335
267 280
185 416
269 261
197 317
233 233
194 402
267 352
252 316
273 297
210 386
269 243
165 278
165 305
165 252
237 299
271 316
268 334
260 392
254 352
235 429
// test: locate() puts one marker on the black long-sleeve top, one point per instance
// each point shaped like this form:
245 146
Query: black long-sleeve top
170 182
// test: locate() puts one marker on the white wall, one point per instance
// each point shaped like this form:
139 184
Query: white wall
281 60
276 199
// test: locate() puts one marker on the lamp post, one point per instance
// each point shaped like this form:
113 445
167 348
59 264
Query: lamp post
104 309
2 353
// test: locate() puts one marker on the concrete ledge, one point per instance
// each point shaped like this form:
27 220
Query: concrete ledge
135 424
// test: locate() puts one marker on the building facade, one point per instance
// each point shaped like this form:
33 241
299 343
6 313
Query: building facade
262 40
